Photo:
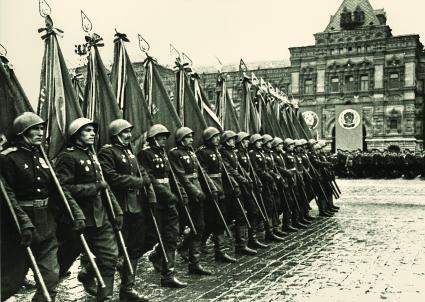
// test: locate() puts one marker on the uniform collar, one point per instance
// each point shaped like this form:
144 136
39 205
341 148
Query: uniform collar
77 146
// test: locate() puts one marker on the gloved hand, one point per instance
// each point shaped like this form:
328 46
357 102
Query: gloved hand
214 194
200 196
236 192
119 222
101 185
79 225
146 182
26 237
173 198
185 201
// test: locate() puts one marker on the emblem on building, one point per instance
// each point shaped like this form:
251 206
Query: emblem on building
311 119
349 119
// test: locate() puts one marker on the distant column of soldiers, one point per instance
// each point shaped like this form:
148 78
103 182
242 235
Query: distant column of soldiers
379 164
260 185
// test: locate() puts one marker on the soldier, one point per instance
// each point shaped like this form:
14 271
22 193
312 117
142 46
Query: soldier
260 167
253 212
289 204
185 164
81 173
230 161
290 163
155 161
130 184
209 158
26 172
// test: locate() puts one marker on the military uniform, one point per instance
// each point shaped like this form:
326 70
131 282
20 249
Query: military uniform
80 172
131 185
28 176
156 163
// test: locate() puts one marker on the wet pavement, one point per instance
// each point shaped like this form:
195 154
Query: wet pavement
372 250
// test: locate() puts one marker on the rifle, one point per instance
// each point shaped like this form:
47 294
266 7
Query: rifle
226 174
252 194
155 223
207 186
28 250
83 240
121 242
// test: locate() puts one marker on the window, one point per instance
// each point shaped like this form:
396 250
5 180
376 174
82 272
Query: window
210 95
334 84
308 86
349 83
364 83
394 81
393 124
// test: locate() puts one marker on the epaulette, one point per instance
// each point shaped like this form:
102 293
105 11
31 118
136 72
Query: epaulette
107 146
70 149
146 147
9 150
172 149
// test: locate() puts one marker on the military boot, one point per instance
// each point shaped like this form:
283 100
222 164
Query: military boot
253 241
168 278
155 258
127 292
105 294
219 250
195 267
278 232
289 229
87 278
272 237
241 242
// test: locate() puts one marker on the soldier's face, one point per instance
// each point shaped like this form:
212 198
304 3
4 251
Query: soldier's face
187 141
86 135
125 137
291 147
279 147
34 135
269 145
161 139
258 144
231 142
215 140
245 143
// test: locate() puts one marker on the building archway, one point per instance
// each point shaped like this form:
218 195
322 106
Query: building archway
394 149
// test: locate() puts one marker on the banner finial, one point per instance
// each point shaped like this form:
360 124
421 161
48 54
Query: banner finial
44 8
86 23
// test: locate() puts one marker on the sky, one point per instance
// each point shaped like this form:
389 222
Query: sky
257 30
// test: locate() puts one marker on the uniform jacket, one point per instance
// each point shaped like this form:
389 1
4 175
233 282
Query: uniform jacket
80 173
210 159
259 164
230 161
121 171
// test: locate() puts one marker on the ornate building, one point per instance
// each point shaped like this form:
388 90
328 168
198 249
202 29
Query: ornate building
355 63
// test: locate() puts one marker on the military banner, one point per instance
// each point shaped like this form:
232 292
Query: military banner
348 127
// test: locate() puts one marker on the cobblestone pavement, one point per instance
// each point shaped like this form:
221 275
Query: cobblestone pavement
373 250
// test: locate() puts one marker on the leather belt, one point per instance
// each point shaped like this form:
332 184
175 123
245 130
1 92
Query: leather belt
36 203
163 180
192 176
215 175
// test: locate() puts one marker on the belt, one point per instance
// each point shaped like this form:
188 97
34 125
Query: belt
192 176
215 175
36 203
163 180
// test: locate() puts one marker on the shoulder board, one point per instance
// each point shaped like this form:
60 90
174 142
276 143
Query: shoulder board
146 147
9 150
70 149
107 146
172 149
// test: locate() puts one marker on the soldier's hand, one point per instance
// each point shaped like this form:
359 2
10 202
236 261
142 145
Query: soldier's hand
146 182
79 225
200 196
119 222
214 194
101 185
185 201
237 192
26 237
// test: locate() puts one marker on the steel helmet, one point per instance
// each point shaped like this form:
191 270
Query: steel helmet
228 134
254 138
116 126
312 142
298 143
241 136
182 132
277 141
25 121
288 141
209 133
157 129
267 138
79 123
303 142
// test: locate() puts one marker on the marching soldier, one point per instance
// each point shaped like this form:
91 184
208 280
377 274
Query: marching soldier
291 164
259 164
253 212
289 206
209 158
155 161
279 203
130 184
185 164
80 172
230 161
26 172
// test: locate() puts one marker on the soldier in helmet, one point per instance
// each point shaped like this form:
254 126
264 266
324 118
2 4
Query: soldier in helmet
210 159
239 180
278 200
261 168
155 161
27 175
131 186
185 165
81 174
289 208
253 213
